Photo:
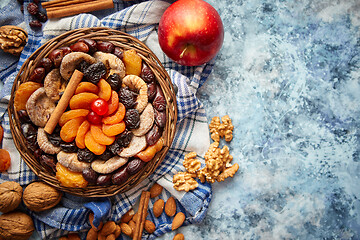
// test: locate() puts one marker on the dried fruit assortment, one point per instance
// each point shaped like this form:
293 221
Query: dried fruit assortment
112 123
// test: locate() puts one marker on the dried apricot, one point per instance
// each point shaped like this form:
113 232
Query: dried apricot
113 129
100 137
104 89
66 116
23 93
69 130
92 145
148 154
113 103
82 100
116 117
68 178
133 62
5 160
87 87
80 136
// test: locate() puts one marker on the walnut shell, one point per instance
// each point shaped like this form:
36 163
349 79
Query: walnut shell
10 196
39 196
16 226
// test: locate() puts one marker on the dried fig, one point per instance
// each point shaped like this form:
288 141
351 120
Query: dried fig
10 196
16 226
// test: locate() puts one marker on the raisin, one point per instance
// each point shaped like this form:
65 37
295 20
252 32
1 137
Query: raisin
127 97
103 180
106 155
124 138
55 139
90 175
160 118
82 66
153 135
48 162
46 63
120 176
23 116
114 81
147 74
132 119
118 52
115 148
134 166
91 44
85 155
107 47
32 8
37 75
151 91
42 17
35 24
69 147
159 101
95 72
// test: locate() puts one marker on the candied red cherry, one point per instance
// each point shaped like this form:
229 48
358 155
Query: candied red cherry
107 47
90 43
80 47
94 118
32 8
100 106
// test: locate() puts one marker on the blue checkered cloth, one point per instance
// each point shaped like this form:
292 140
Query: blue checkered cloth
140 19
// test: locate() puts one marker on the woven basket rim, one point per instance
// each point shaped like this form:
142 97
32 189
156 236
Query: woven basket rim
125 41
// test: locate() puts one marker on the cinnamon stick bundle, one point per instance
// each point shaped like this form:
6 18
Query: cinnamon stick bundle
142 213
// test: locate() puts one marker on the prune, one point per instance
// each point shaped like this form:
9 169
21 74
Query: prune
124 138
46 63
90 175
106 155
120 176
66 50
32 142
114 81
23 116
32 8
85 155
91 44
151 91
107 47
56 57
95 72
159 101
55 139
147 74
132 119
42 17
153 135
69 147
28 130
103 180
37 75
37 153
115 148
35 24
80 47
82 66
118 52
160 118
48 162
127 97
134 166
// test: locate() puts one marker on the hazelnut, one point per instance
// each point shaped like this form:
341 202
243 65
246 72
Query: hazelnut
10 196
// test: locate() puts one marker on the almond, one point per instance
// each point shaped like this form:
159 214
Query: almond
91 219
178 221
134 218
108 228
92 234
132 225
128 216
170 207
110 237
158 207
155 190
73 236
126 229
149 226
179 236
101 237
117 231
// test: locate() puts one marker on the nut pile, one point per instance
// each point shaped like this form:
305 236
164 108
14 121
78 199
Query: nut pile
218 165
92 112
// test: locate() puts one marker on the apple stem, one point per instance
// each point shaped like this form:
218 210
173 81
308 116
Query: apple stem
183 52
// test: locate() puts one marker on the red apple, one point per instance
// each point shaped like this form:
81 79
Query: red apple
191 32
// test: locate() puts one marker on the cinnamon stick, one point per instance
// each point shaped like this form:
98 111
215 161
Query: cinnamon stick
64 101
142 213
59 3
73 9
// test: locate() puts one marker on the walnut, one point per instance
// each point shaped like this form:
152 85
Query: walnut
39 196
190 163
16 226
219 130
10 196
228 172
12 39
184 181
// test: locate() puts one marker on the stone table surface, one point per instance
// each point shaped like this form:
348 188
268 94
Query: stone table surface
288 76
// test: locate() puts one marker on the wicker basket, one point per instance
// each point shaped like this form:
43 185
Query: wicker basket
121 40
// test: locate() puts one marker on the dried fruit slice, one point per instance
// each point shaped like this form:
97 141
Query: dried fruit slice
82 100
150 151
68 178
132 62
116 117
87 87
113 103
80 137
5 160
23 93
69 130
100 137
66 116
92 145
104 89
113 129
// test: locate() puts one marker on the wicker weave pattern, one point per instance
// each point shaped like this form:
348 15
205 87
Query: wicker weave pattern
124 41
